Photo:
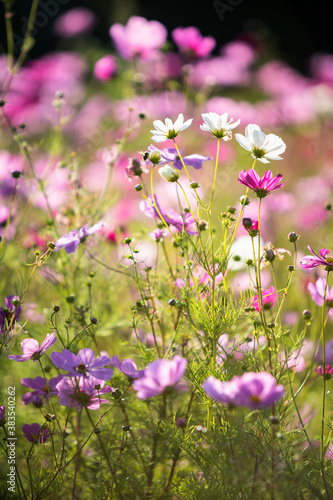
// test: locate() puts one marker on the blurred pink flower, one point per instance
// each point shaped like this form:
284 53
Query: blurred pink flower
269 297
77 21
139 38
191 43
105 68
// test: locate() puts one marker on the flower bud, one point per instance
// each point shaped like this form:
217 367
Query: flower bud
306 314
194 185
244 200
155 157
232 210
138 187
128 240
169 174
293 237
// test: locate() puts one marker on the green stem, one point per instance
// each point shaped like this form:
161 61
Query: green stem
215 173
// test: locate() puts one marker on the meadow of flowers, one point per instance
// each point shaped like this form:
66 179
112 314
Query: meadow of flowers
166 255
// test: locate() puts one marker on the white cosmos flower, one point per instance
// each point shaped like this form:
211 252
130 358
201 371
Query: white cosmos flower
169 130
263 147
219 125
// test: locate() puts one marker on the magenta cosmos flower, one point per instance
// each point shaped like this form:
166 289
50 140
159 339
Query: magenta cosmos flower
269 297
71 241
159 376
83 364
139 38
262 186
191 43
127 367
35 433
31 349
42 388
317 292
314 260
82 392
253 390
2 414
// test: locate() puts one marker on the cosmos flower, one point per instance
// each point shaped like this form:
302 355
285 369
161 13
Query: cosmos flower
317 292
219 125
105 68
71 241
127 367
35 433
41 387
314 260
32 350
253 390
82 392
168 129
191 43
170 155
9 314
139 38
269 297
82 364
262 186
262 147
160 376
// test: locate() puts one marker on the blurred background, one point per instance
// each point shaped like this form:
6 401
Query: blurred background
292 30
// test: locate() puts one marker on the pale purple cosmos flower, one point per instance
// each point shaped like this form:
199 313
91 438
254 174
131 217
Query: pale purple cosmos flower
160 376
314 260
170 216
82 392
269 298
262 147
35 433
71 241
9 314
127 367
105 68
82 364
139 39
262 186
317 292
158 234
41 387
170 155
32 350
191 43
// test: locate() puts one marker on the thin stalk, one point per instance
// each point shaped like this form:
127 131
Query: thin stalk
215 173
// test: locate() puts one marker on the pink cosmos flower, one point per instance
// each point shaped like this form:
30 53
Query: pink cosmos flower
105 68
35 433
82 392
191 43
77 21
254 390
262 186
269 297
127 367
41 387
82 364
328 373
314 260
32 350
139 38
71 241
160 376
317 292
223 392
